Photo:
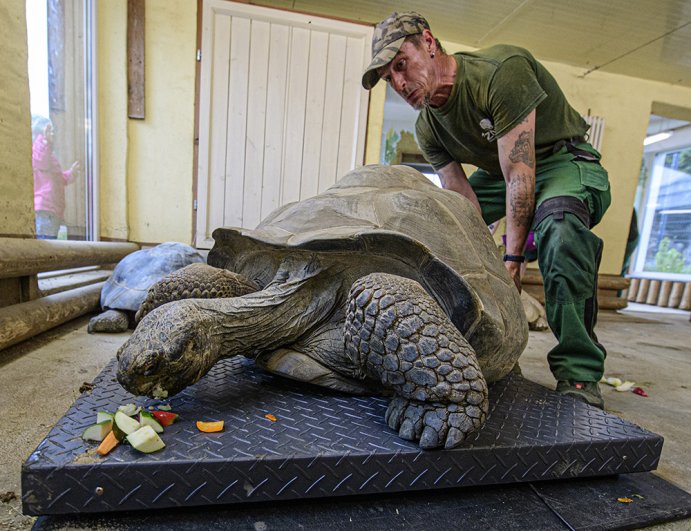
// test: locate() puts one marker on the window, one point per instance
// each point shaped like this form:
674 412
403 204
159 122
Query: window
664 251
399 145
61 86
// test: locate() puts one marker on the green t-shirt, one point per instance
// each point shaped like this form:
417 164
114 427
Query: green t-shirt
495 89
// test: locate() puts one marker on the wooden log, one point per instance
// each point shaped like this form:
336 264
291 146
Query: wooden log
633 289
51 285
536 291
686 298
22 321
643 291
611 303
531 276
675 296
606 299
614 282
23 257
653 292
665 290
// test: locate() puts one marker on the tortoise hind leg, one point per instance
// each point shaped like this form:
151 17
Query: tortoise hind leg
195 281
402 337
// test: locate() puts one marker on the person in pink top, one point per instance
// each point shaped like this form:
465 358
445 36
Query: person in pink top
49 180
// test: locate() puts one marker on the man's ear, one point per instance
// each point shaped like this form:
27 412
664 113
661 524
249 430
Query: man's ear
429 40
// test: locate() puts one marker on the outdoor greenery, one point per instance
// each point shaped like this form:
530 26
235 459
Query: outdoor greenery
679 160
670 260
392 138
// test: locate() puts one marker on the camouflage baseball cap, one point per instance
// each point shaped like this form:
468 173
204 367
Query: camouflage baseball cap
387 40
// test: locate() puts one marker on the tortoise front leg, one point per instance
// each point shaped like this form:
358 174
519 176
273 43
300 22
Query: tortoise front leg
195 281
402 337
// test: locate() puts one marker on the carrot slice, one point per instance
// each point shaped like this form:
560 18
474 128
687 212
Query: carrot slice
108 443
210 427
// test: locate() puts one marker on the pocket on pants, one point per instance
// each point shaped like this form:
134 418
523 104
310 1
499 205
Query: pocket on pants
595 180
593 175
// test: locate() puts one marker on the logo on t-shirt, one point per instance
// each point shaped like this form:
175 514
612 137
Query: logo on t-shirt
490 135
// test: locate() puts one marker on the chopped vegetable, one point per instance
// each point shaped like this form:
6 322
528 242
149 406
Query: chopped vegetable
103 415
108 443
124 425
614 382
98 432
146 440
165 418
164 407
210 427
159 392
129 409
624 500
639 391
626 386
147 419
271 417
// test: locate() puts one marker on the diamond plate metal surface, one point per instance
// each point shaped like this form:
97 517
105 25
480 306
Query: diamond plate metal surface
321 445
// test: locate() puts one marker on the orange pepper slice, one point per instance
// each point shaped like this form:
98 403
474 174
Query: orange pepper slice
108 443
210 427
271 417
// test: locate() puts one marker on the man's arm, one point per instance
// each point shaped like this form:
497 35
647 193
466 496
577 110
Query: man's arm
517 159
453 177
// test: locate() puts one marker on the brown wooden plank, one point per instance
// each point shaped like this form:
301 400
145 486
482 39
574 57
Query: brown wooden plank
604 281
135 59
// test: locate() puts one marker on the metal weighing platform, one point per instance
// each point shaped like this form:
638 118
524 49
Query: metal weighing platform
321 445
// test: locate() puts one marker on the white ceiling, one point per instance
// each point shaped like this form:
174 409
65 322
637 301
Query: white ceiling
649 39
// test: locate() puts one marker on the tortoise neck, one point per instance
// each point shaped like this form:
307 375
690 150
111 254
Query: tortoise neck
273 317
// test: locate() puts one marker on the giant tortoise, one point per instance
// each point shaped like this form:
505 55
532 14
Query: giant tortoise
384 282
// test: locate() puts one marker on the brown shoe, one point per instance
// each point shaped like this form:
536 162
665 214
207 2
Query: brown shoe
586 391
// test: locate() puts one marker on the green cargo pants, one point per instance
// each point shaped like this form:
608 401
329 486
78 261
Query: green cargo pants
568 253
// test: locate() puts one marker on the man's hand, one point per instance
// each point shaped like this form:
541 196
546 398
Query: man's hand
514 269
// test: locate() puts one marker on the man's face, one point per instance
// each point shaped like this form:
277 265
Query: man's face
410 74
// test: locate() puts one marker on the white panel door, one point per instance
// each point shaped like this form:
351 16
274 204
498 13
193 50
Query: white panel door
282 114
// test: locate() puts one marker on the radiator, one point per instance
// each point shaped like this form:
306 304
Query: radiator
596 131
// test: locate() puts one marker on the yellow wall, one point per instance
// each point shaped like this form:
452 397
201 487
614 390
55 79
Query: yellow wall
16 176
146 165
625 103
161 146
111 37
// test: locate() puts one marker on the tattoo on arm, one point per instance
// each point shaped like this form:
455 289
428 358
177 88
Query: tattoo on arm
523 150
521 200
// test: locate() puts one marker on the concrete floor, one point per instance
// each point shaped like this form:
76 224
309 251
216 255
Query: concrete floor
40 379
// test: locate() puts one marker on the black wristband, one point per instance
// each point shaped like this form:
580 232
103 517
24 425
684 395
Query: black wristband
514 258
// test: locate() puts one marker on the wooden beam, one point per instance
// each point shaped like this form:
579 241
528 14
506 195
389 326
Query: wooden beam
25 320
135 59
22 257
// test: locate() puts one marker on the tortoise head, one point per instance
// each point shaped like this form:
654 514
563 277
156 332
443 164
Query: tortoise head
171 348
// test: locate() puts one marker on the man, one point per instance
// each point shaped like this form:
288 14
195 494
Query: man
500 110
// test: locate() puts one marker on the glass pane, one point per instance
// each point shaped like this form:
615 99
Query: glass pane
399 145
58 85
667 224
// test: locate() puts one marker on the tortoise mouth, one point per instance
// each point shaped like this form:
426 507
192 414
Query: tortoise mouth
146 383
152 373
